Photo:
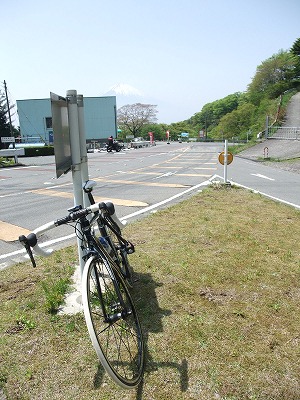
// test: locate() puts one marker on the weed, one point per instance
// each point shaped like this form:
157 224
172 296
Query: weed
54 291
27 323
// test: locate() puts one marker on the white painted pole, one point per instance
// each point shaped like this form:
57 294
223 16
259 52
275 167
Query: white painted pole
225 160
83 151
76 159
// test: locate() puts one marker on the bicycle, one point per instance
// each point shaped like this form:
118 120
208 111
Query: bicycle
109 311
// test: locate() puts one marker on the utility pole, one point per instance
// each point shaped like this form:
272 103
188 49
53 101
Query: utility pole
9 116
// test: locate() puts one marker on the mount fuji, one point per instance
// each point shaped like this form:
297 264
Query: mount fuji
125 94
124 89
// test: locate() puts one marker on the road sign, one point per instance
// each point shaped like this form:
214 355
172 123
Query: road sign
222 157
8 139
61 132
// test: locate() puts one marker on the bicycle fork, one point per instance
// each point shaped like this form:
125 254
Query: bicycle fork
118 309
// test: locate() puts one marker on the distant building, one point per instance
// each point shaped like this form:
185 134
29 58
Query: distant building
100 117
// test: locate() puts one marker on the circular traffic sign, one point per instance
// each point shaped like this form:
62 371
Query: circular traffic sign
222 158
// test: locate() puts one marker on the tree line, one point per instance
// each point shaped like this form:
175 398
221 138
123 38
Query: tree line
241 115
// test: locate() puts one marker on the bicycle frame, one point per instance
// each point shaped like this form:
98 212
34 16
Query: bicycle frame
109 219
94 249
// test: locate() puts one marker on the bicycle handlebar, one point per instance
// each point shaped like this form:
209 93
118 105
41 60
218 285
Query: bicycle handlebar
31 241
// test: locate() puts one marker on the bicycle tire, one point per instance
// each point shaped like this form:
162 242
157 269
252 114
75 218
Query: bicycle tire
119 343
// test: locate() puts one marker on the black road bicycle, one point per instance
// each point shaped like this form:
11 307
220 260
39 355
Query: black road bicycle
109 311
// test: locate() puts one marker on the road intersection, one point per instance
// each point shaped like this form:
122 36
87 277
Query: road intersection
137 181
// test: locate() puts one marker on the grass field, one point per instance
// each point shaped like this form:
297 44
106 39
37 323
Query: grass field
218 295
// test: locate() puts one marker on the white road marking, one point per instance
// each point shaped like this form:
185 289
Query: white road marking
159 154
263 177
164 175
123 219
16 168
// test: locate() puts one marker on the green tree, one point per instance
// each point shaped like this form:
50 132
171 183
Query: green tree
177 128
157 129
132 117
295 49
211 113
273 76
235 123
296 52
4 123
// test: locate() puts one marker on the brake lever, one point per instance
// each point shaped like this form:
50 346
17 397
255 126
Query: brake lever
23 239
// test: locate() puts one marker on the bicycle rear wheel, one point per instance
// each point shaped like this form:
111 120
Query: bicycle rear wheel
112 322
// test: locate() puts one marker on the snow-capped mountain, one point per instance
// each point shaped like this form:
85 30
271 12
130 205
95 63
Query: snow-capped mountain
125 94
123 89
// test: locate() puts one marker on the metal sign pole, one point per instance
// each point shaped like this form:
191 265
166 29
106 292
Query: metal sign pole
225 160
83 151
76 159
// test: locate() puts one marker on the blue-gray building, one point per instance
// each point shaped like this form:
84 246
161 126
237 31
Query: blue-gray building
100 116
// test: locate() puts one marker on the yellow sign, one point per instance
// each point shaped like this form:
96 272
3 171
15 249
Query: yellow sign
222 157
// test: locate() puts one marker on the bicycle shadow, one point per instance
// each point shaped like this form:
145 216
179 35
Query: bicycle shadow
151 316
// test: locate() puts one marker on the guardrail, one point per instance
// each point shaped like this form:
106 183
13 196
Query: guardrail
284 132
12 152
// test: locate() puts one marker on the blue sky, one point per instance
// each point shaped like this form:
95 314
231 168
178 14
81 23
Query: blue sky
181 54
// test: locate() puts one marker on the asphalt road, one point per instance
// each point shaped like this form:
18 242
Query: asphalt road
136 181
273 182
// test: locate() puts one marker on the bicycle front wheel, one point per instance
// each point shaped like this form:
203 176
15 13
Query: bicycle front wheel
120 254
112 322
